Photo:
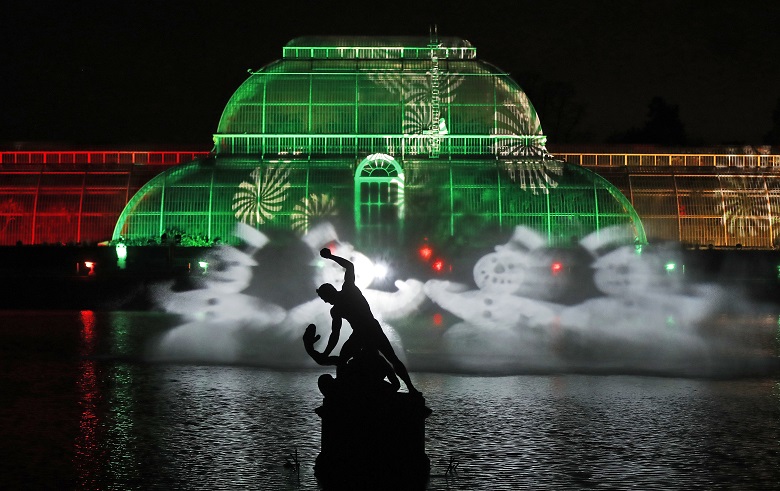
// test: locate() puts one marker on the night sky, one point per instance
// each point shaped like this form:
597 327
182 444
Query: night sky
160 72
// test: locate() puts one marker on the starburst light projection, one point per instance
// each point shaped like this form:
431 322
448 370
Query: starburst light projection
417 89
417 118
311 208
536 176
416 94
744 206
258 200
515 119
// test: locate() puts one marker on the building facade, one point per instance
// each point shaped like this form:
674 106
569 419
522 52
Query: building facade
393 141
695 198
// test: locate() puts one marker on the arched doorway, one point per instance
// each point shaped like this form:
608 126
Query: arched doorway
379 200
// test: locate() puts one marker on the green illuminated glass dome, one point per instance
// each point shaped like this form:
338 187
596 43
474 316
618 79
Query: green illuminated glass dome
347 93
391 140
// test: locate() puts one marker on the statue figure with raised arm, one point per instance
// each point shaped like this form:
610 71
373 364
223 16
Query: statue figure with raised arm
349 304
367 371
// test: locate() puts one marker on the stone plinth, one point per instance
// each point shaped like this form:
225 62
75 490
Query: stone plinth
373 440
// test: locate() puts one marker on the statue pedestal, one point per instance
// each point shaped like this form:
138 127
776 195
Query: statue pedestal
373 440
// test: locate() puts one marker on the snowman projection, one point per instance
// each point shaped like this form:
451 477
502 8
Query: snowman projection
504 278
646 310
645 316
226 325
517 317
229 272
217 313
503 329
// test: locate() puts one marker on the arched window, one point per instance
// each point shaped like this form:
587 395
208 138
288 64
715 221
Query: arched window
379 198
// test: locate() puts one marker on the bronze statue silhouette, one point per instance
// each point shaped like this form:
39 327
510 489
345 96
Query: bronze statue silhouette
367 336
366 372
366 423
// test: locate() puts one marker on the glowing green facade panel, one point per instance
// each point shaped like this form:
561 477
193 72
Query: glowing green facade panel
471 202
392 140
402 105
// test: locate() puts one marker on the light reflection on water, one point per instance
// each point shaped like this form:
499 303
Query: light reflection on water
80 410
87 444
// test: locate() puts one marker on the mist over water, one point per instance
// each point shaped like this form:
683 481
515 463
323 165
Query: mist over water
599 306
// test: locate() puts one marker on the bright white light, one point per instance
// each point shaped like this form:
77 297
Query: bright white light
380 271
121 251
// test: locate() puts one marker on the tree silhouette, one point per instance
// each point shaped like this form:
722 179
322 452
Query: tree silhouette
662 127
773 136
557 105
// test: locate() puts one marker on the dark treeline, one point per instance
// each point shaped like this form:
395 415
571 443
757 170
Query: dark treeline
662 127
556 102
772 137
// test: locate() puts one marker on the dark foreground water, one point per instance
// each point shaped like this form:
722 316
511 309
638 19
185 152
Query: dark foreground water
81 409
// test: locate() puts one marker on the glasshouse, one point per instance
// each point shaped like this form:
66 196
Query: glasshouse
392 141
73 196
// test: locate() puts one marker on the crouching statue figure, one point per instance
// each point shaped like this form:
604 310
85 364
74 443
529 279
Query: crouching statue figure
373 436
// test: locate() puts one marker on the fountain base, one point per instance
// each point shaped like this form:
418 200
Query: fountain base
373 441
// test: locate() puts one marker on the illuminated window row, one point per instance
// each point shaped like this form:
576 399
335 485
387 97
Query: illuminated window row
376 52
52 206
670 160
719 210
358 145
89 157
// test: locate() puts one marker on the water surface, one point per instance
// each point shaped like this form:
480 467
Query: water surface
83 409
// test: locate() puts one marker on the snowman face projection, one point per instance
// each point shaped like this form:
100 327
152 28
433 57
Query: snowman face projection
507 269
230 270
624 273
501 272
621 273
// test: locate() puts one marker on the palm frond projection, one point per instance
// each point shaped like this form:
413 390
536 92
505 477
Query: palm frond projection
537 176
258 200
415 92
417 118
417 89
311 208
517 118
448 85
744 206
512 118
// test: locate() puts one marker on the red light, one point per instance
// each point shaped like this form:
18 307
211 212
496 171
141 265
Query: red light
425 252
437 319
89 267
100 157
438 265
556 268
88 324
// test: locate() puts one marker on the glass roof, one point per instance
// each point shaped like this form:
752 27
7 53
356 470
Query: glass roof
342 93
376 41
379 47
